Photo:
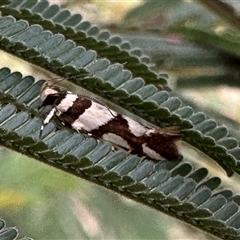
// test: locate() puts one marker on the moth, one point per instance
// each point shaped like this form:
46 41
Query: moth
90 116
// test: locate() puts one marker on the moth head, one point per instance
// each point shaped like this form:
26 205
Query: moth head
49 93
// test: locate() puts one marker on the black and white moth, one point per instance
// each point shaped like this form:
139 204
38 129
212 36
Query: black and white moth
85 115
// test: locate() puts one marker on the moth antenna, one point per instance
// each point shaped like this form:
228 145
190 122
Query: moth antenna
46 121
41 132
91 98
59 79
97 101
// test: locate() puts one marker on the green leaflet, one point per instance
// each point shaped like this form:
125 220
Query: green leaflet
172 187
57 20
7 233
50 51
229 44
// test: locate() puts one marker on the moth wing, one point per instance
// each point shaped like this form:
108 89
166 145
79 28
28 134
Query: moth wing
171 131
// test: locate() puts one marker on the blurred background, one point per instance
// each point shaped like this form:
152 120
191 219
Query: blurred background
200 51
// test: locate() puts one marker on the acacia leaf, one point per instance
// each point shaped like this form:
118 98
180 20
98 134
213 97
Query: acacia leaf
175 188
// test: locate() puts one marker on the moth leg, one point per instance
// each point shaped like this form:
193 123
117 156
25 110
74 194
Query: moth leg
40 107
46 121
82 130
117 147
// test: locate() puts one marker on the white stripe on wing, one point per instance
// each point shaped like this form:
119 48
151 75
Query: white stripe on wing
93 117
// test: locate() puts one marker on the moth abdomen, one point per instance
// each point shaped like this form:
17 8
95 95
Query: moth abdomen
164 144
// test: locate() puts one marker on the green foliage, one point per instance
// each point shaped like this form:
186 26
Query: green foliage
58 20
7 233
117 84
55 40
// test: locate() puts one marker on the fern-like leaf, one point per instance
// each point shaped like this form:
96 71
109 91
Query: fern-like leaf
113 82
175 188
57 20
9 233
